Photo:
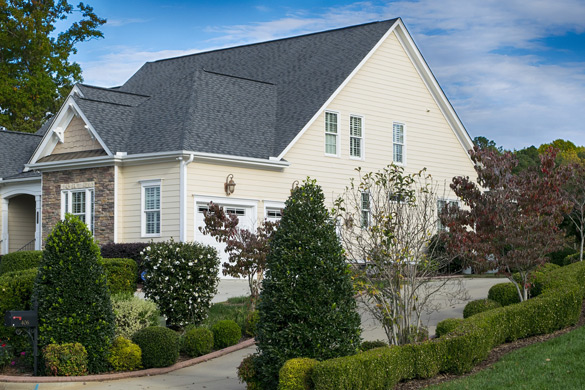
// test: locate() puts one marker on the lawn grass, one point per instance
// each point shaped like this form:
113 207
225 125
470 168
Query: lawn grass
555 364
236 309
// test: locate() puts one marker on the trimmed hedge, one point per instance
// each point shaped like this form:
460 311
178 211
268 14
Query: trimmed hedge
479 306
125 251
226 333
19 261
296 374
121 275
504 293
160 346
367 345
447 326
459 350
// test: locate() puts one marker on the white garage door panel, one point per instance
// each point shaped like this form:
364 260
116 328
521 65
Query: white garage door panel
246 219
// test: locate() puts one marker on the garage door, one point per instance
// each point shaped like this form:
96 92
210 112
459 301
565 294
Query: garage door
246 220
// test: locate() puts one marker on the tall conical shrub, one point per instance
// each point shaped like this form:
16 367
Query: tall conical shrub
306 306
73 298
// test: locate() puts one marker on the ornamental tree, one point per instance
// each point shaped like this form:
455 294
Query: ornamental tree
510 222
73 299
246 250
573 191
306 306
386 221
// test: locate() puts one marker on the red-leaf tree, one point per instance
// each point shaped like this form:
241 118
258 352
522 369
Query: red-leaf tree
510 222
246 250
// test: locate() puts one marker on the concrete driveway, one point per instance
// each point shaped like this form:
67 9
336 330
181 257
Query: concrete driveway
220 373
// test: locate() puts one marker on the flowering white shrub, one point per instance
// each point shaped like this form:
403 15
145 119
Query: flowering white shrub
181 278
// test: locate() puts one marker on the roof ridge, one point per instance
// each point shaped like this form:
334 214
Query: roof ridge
113 90
272 40
21 132
101 101
236 77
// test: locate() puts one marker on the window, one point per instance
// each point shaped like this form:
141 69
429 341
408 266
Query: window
273 214
356 142
441 204
398 143
79 202
151 209
365 217
331 134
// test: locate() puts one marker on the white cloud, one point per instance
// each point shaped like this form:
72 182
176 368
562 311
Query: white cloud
124 22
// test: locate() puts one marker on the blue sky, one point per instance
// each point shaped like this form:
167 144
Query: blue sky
513 69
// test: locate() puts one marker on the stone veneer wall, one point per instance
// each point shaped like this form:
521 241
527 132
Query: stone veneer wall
103 182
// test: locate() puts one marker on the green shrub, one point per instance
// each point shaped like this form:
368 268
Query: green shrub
181 278
19 261
570 259
478 306
121 274
539 275
295 374
559 257
197 342
252 322
226 333
160 346
131 250
428 358
132 314
247 372
73 298
69 359
306 307
125 355
367 345
504 293
447 326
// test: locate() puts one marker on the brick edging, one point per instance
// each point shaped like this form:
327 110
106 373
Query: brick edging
129 374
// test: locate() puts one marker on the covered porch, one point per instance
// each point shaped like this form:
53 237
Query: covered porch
20 205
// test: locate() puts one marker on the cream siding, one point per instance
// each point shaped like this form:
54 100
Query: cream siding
76 139
129 200
21 221
386 89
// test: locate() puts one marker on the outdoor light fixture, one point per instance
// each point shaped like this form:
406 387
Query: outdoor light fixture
230 185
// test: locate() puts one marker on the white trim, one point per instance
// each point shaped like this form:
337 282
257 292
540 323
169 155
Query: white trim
363 137
116 178
89 212
268 204
5 237
38 222
183 197
338 90
337 134
403 162
143 184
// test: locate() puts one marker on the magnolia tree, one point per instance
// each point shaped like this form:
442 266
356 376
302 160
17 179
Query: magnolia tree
510 222
246 250
386 221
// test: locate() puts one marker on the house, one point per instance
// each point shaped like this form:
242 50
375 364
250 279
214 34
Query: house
140 162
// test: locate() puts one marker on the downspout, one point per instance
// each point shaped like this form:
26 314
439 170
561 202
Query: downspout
183 196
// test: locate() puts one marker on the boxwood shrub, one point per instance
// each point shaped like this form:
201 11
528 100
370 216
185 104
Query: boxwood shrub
226 333
160 346
478 306
461 347
197 342
121 275
125 251
504 293
19 261
296 374
447 326
367 345
125 355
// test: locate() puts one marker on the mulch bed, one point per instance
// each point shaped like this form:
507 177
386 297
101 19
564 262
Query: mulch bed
495 355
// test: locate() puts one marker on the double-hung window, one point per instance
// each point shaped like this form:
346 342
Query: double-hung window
356 137
365 209
441 204
398 143
79 202
331 134
151 208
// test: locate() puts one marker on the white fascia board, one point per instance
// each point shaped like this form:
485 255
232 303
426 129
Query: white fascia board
242 161
433 86
80 163
20 180
339 89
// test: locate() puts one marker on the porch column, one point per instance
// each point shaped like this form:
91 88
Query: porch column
38 224
4 238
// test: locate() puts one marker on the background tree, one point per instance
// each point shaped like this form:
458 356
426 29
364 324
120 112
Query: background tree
573 190
73 298
511 222
246 250
306 306
36 73
386 221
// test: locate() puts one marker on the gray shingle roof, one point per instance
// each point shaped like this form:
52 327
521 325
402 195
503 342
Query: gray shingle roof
249 100
16 150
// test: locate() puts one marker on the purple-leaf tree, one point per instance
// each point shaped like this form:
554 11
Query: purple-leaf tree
510 222
246 250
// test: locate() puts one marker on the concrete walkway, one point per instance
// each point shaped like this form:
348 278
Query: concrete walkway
220 373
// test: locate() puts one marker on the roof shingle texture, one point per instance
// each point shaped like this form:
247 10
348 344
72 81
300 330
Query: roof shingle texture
16 150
